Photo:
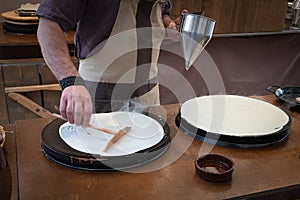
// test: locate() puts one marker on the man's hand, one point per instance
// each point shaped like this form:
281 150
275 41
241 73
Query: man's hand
76 105
173 26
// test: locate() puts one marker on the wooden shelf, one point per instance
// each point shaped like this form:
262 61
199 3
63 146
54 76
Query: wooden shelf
20 46
13 39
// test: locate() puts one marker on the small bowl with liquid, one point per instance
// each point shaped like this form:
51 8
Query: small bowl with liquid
214 167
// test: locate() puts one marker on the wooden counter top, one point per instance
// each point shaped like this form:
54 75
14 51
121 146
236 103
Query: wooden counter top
256 170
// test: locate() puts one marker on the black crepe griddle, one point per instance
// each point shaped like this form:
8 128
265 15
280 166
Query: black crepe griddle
57 150
20 29
244 142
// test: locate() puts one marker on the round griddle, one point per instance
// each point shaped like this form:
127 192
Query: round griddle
20 28
247 141
58 151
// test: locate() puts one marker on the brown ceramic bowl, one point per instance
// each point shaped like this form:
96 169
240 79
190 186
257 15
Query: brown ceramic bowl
214 167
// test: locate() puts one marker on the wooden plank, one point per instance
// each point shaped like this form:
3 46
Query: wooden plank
30 105
51 99
238 16
21 74
20 61
3 110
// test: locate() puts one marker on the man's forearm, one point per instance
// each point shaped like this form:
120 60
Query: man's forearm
55 49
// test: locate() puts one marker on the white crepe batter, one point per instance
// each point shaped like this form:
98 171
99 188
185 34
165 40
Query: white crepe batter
233 115
145 132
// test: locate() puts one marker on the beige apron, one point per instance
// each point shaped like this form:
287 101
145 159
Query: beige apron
125 66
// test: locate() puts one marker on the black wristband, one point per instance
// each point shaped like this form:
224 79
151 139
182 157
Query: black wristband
71 80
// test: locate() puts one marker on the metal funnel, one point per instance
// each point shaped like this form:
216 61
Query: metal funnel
196 31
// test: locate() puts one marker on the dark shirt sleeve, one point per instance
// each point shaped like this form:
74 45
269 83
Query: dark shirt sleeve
166 7
65 12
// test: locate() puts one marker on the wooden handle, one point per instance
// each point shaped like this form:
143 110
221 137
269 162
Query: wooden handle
90 125
31 88
117 137
102 129
30 105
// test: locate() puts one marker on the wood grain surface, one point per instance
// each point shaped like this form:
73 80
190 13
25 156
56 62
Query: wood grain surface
13 16
238 16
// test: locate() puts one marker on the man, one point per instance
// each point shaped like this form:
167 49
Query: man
117 49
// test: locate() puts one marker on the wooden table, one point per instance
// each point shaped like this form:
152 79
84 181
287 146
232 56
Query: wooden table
256 170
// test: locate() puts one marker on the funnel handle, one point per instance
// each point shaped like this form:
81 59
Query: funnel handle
198 13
